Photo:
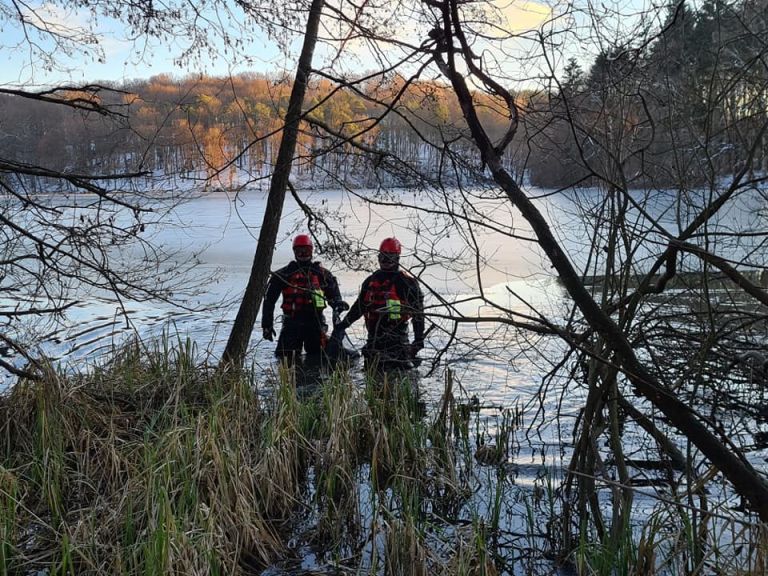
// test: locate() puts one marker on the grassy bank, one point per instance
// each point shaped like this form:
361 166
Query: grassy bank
154 465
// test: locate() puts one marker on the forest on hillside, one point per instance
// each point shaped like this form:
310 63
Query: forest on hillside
205 127
691 104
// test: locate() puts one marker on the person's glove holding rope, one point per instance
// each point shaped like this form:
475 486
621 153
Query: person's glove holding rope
338 307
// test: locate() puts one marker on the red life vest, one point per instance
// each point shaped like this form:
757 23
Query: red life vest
302 293
382 303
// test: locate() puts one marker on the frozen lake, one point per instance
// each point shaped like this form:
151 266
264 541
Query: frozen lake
493 258
220 231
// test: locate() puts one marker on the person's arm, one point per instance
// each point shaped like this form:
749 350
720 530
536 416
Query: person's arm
274 288
332 292
355 311
416 303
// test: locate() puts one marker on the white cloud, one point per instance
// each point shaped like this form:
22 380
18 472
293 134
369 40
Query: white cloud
522 16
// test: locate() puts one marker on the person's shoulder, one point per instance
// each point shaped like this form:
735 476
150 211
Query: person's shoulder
286 270
372 276
319 268
409 281
382 275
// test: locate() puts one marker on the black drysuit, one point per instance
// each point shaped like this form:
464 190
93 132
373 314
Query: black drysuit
389 299
306 288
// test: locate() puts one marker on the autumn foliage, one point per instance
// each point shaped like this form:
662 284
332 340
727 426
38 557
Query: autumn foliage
224 128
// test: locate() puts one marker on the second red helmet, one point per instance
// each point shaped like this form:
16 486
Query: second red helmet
302 240
390 246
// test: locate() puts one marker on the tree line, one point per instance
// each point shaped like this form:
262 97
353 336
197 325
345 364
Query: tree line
203 126
684 108
687 105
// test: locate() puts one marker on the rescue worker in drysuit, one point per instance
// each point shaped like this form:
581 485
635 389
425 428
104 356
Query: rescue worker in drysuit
307 288
388 299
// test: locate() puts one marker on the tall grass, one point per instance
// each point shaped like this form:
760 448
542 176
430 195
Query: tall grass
152 464
148 465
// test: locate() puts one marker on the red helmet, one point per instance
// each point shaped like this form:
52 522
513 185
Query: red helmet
390 246
302 240
302 248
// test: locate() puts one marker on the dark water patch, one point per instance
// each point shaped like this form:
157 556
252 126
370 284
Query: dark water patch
88 330
712 280
761 439
659 465
648 482
89 344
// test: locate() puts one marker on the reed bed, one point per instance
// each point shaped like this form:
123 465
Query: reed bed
155 464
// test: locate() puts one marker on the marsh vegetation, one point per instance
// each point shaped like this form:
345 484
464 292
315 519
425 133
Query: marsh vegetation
155 464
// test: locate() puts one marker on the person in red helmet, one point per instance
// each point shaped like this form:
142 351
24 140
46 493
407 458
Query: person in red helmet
307 289
388 299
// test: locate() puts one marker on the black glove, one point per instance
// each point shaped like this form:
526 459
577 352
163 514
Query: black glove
340 306
342 325
268 333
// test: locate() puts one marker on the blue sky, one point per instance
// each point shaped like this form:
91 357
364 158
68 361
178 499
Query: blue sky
102 50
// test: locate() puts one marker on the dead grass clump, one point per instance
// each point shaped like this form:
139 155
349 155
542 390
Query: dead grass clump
151 464
405 553
471 556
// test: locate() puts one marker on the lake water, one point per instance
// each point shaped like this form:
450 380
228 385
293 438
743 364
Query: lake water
220 231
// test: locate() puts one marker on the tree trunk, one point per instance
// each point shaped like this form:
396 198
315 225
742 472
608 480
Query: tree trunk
234 353
745 479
